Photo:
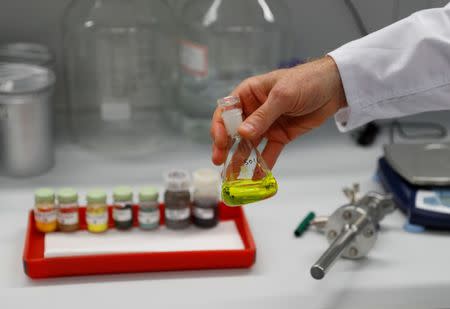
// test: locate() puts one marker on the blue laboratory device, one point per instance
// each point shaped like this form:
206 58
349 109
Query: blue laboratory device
418 176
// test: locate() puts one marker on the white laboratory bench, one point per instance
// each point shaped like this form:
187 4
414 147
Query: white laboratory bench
403 270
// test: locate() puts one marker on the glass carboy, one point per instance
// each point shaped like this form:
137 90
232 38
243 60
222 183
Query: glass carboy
121 72
222 43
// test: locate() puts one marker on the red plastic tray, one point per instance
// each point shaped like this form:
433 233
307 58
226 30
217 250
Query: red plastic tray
37 266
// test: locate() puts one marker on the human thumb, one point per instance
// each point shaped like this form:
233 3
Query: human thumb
257 123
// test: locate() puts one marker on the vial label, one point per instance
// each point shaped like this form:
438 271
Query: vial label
194 58
150 217
122 214
45 216
203 213
97 218
178 214
68 218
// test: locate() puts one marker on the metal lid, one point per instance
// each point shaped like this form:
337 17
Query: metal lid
44 195
31 53
123 194
19 78
177 180
67 195
96 196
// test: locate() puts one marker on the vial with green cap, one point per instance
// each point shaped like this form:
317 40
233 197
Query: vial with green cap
45 210
68 220
148 216
123 209
96 211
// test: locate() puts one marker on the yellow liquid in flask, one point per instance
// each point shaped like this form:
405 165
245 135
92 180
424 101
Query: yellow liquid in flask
245 191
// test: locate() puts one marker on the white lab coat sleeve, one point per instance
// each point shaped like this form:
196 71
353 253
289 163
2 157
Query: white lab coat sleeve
400 70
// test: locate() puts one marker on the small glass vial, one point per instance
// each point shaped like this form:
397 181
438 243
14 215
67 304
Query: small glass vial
123 209
205 211
68 220
148 208
96 212
45 210
177 200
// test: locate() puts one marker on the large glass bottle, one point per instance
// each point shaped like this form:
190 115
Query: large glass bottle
121 73
223 42
246 177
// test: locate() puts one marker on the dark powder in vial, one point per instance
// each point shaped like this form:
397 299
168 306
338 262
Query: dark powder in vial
125 224
205 212
178 210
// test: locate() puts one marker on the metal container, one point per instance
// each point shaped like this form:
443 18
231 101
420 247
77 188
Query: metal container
26 139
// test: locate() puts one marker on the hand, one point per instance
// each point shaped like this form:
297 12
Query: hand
282 105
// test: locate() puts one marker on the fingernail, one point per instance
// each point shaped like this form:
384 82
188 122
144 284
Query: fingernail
248 128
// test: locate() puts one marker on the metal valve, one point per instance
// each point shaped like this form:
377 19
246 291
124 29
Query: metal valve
352 229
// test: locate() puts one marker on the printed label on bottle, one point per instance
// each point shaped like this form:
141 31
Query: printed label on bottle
150 217
194 58
177 214
68 218
45 216
203 213
68 206
97 218
122 214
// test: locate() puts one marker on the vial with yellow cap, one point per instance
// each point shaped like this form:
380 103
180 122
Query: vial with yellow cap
45 214
246 177
96 211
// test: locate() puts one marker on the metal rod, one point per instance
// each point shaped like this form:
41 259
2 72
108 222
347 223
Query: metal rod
324 263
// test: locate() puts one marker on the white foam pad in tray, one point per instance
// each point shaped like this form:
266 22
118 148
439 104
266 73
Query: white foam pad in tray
224 236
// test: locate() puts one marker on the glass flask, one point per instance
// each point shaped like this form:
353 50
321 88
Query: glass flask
121 73
222 43
245 177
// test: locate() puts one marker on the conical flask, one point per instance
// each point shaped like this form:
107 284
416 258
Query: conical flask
245 176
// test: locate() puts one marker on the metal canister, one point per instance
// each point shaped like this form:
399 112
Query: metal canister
26 138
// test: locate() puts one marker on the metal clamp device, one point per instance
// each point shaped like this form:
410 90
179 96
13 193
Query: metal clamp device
352 229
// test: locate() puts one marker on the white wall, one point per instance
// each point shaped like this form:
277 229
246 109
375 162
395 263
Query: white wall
319 25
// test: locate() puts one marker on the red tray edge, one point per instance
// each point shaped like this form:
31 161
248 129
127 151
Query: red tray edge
37 268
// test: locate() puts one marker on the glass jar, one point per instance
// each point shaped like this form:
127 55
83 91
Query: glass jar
121 73
45 210
177 200
96 212
68 219
149 216
123 208
205 211
224 42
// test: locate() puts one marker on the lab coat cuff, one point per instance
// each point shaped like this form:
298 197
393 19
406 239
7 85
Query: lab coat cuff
350 117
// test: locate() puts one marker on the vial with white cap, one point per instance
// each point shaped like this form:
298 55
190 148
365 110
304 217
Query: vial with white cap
205 212
246 178
177 199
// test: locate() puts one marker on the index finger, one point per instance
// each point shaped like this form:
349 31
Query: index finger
218 132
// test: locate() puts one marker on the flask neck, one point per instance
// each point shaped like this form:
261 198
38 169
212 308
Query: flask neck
232 120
